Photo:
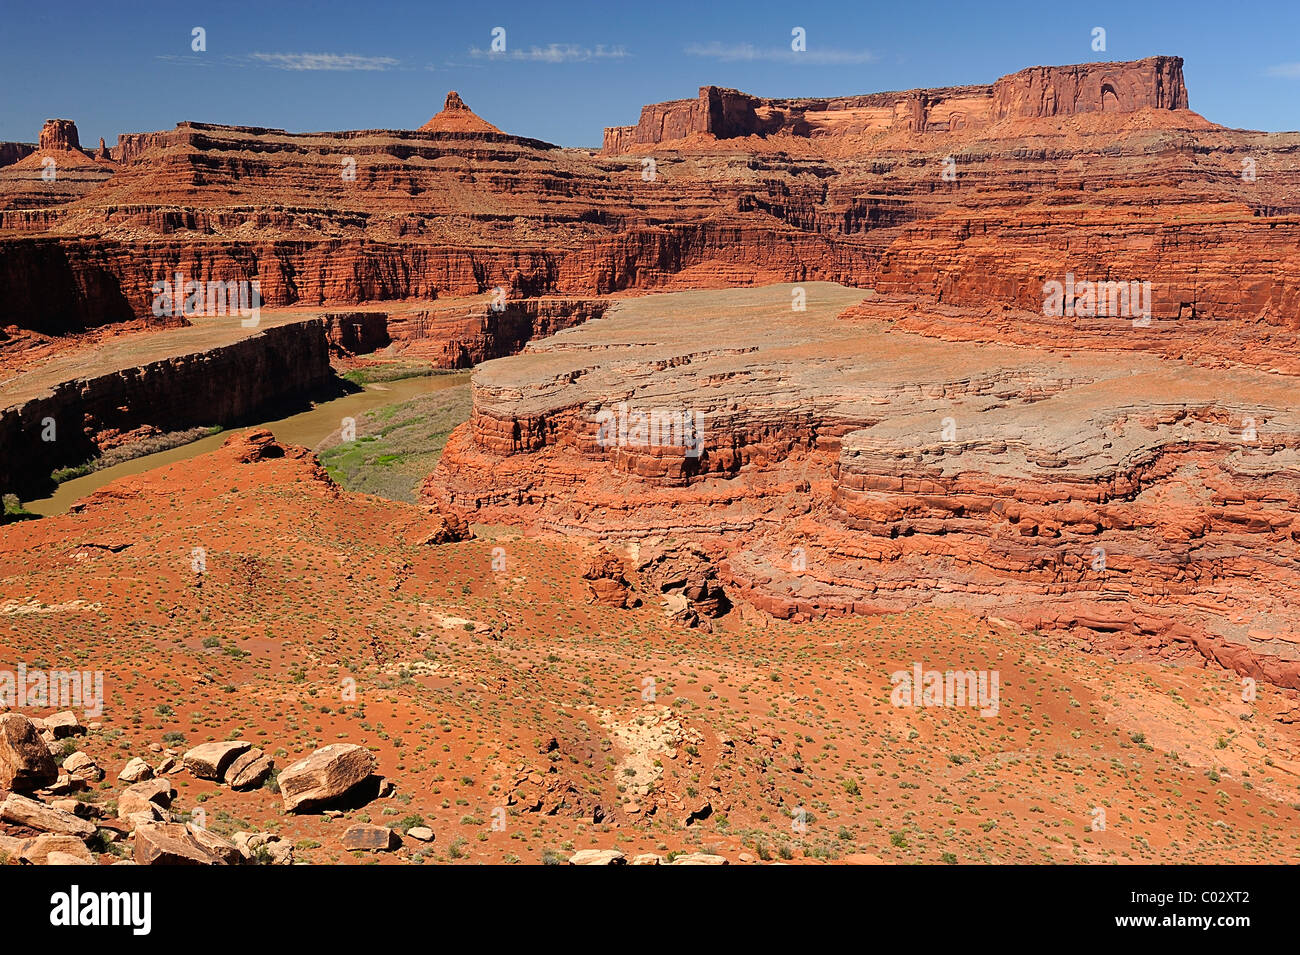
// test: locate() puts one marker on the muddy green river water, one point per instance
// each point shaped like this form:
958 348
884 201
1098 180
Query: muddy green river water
308 428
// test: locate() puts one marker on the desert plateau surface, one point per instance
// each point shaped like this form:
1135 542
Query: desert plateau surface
882 478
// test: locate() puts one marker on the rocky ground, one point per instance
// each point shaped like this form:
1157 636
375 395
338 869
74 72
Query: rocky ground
561 703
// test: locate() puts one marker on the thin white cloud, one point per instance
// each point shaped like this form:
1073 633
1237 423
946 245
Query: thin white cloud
556 53
738 52
1290 71
324 61
194 59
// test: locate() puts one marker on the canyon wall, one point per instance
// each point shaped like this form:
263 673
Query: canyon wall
10 153
221 386
1147 504
1037 92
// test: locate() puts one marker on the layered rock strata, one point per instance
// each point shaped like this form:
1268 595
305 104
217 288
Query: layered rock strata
847 466
63 414
1034 93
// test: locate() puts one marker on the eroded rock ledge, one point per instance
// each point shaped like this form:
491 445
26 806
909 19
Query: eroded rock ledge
851 467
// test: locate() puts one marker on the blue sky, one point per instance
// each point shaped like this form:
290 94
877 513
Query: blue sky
572 68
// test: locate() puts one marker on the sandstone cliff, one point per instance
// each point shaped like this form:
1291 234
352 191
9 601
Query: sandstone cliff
1034 93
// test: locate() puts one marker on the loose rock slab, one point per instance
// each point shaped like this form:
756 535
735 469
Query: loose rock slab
136 770
372 838
325 775
699 858
597 857
150 796
169 843
23 811
40 851
64 724
248 770
25 760
209 760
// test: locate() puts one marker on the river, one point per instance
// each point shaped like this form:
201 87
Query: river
307 428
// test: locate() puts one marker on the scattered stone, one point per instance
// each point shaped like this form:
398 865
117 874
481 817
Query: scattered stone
82 767
24 811
136 770
169 843
597 857
699 858
263 847
11 848
64 724
169 764
214 845
67 858
420 833
248 770
25 760
363 835
38 851
209 760
148 796
145 816
65 784
325 775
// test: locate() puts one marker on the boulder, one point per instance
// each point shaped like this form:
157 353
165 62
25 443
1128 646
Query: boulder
597 857
214 845
699 858
442 528
420 833
11 848
263 847
136 770
25 761
170 843
606 580
42 849
65 785
82 767
142 817
23 811
209 760
151 796
325 775
64 724
373 838
647 858
248 769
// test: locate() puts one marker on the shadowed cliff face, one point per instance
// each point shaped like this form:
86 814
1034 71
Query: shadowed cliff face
73 421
